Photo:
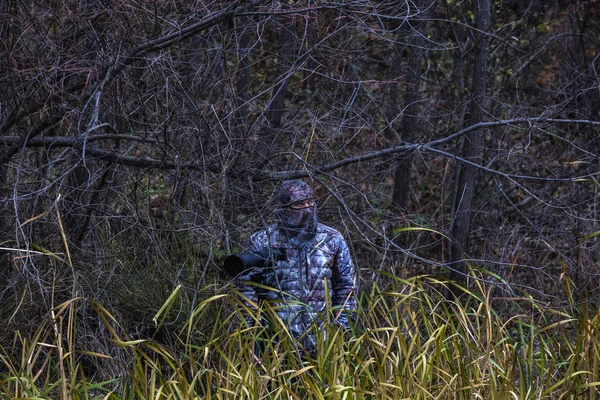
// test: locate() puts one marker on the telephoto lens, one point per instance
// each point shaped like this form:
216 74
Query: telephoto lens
265 257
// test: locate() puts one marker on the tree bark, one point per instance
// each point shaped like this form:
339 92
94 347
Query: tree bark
472 148
311 65
287 35
401 192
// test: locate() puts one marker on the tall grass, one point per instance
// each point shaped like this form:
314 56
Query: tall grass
410 341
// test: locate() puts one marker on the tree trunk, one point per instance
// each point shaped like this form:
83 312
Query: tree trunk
401 191
311 65
473 144
285 58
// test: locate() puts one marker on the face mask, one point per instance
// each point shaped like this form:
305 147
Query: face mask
296 211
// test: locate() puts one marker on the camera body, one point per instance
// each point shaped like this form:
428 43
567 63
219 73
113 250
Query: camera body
265 257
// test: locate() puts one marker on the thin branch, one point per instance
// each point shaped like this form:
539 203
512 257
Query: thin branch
21 143
514 121
262 175
157 44
113 69
267 175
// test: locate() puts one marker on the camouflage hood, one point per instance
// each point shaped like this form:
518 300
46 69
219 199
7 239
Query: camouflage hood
298 225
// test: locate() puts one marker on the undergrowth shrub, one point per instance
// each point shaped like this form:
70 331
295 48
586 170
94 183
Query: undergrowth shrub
410 339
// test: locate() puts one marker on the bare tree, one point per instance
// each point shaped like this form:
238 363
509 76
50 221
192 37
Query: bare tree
145 140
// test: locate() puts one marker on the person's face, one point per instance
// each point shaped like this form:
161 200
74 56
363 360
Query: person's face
296 208
302 204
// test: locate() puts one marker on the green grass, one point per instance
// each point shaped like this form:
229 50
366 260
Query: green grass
411 341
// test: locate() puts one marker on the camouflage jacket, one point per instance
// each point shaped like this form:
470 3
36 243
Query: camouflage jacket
301 280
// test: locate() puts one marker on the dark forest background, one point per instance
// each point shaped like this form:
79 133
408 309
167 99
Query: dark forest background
142 141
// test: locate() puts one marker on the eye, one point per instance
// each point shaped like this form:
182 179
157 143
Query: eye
302 204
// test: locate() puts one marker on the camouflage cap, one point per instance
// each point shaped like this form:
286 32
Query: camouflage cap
293 191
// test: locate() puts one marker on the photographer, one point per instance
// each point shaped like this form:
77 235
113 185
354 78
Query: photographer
306 259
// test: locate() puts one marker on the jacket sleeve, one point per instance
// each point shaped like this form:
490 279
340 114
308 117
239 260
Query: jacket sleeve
343 282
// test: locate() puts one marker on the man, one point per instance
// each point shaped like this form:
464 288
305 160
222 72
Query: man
314 258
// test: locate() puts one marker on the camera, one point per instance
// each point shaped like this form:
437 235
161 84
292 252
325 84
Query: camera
265 257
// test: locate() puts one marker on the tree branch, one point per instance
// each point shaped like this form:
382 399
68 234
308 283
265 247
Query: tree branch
112 70
229 12
262 175
70 141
